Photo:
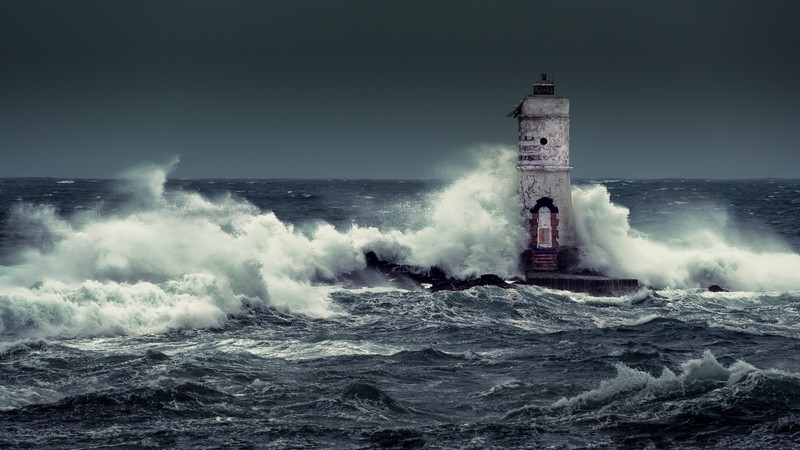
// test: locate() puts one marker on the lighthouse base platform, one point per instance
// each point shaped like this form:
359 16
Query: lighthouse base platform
434 279
590 284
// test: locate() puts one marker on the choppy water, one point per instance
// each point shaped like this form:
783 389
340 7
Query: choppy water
186 315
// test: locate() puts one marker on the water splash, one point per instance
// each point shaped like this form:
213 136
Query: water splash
694 256
146 181
474 227
174 259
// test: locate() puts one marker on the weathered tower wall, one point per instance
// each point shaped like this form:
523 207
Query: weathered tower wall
545 177
544 164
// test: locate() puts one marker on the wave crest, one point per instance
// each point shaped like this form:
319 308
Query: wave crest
697 376
695 257
174 259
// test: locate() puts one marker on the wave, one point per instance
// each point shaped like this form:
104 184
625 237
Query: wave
696 378
175 259
695 256
706 404
475 226
365 395
142 399
17 397
171 259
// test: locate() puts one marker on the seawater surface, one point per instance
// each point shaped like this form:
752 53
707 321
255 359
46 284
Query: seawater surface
146 313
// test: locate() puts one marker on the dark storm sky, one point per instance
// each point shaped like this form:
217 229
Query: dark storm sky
394 89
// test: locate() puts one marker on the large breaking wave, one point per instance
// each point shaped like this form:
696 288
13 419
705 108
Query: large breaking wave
693 255
174 259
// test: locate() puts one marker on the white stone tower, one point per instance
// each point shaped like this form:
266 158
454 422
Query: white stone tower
544 177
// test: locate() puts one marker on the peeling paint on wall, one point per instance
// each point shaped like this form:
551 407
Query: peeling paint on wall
544 160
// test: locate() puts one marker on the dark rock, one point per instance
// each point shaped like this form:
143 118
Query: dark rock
372 259
717 288
434 276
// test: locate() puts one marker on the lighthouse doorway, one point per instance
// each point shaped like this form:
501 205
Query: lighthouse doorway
544 236
544 227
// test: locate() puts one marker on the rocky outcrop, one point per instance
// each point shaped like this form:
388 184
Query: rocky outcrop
433 278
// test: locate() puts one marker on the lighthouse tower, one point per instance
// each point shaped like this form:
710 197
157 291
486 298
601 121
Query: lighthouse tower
544 177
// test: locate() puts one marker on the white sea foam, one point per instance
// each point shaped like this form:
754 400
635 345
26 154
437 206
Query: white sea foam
475 226
581 297
509 384
297 351
180 260
176 259
695 256
15 397
700 374
604 322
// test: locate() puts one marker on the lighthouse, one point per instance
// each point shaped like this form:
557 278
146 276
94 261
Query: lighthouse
543 129
553 254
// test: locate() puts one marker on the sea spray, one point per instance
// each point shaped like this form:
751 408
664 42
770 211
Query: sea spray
172 259
475 225
146 181
454 361
693 256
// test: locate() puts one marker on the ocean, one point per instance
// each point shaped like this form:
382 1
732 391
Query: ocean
147 312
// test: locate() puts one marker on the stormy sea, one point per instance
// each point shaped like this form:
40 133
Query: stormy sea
150 312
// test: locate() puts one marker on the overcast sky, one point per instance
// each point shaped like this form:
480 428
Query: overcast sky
395 89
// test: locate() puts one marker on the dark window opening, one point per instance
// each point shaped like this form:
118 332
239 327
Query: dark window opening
543 141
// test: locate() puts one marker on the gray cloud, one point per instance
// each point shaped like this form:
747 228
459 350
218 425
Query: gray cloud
365 89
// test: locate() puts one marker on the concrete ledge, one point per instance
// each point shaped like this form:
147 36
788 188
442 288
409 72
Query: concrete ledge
410 277
590 284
